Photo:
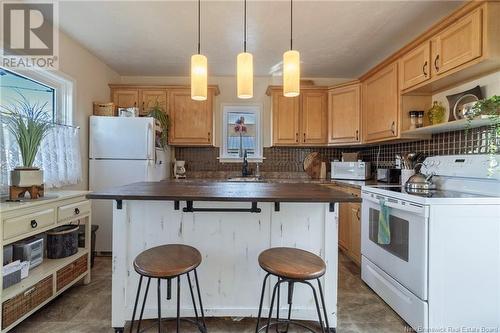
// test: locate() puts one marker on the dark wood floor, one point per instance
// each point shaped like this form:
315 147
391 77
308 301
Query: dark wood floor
87 309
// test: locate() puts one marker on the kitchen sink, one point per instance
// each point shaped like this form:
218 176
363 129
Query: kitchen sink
246 179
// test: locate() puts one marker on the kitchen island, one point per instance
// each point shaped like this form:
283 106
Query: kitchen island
230 223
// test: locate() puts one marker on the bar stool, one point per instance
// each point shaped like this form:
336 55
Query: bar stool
169 262
291 266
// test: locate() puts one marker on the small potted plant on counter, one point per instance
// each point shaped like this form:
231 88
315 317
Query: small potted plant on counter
29 123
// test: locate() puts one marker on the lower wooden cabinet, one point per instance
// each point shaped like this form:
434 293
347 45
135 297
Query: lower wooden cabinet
350 226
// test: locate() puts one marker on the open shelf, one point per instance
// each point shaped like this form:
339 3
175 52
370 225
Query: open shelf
46 268
456 125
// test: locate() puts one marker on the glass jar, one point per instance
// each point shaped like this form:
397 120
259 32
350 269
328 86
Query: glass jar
420 119
413 119
436 113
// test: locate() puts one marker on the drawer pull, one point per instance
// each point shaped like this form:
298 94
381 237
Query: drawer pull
77 211
29 291
34 224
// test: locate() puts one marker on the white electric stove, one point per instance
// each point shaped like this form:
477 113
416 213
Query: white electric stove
441 267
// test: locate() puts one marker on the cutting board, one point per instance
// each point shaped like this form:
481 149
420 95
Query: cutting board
312 165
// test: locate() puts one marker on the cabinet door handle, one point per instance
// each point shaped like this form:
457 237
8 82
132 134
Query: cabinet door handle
208 136
424 69
436 63
357 214
304 137
34 224
77 211
296 137
393 128
357 135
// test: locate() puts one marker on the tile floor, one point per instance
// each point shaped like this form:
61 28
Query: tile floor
87 309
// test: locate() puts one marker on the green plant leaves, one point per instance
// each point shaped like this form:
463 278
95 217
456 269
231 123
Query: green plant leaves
29 123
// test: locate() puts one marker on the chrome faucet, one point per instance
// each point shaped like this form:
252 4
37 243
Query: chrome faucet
244 170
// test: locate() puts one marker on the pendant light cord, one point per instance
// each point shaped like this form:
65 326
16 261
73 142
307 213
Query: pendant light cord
245 27
291 24
199 31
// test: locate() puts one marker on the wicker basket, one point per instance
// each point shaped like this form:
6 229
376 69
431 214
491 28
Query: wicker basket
18 306
70 272
104 109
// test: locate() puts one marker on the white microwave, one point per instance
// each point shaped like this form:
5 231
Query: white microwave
351 170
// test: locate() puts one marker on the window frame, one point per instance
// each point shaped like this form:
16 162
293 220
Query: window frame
64 91
255 108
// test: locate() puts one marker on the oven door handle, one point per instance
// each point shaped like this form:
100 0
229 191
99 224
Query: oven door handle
409 207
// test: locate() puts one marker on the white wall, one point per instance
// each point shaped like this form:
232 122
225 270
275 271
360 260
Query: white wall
91 77
227 86
490 85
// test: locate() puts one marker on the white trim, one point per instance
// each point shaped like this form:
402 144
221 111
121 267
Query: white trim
243 107
65 91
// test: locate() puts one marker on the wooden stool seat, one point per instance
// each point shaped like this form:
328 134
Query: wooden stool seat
167 261
291 263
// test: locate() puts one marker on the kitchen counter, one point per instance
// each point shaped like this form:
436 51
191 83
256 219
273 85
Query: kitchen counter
197 190
214 216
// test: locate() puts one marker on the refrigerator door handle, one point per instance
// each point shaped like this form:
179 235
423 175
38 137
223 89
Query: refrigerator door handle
150 146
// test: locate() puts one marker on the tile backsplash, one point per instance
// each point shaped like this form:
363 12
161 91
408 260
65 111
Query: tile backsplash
290 159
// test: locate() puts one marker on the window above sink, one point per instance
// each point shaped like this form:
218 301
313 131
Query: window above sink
241 131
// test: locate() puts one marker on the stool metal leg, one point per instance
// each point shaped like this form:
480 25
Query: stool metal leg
135 304
278 308
290 298
324 306
199 299
159 306
271 306
261 301
178 303
192 297
317 305
143 305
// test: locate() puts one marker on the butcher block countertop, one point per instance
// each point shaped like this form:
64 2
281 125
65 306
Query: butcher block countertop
224 191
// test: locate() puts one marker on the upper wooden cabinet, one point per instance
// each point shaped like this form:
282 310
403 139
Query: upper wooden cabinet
301 120
458 44
192 121
344 114
314 119
415 66
381 104
286 119
125 98
150 98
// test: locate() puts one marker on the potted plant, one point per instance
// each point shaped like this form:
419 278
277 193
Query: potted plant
29 123
489 108
164 121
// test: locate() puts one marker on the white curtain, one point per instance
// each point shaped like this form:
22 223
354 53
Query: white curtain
59 157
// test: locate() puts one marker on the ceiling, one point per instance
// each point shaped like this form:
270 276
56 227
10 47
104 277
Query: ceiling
335 38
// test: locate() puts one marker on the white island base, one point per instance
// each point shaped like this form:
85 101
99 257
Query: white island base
230 276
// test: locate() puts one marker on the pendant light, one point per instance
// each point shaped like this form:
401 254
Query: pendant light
199 70
291 66
244 66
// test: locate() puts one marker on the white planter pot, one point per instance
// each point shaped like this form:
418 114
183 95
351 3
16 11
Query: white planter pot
25 177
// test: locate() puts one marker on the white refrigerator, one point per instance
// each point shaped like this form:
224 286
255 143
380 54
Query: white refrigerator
121 151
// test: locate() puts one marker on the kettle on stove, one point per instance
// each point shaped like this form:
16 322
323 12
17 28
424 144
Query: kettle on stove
419 181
